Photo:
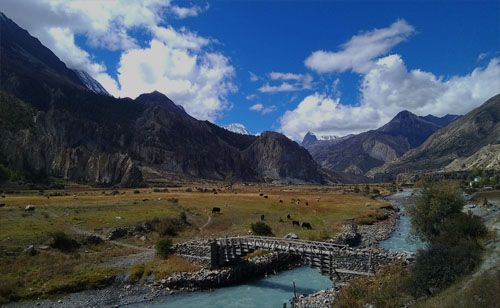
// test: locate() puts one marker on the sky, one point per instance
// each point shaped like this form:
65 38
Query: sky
329 67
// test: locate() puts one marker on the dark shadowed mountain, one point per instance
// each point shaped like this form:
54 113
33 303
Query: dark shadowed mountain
460 139
359 153
52 125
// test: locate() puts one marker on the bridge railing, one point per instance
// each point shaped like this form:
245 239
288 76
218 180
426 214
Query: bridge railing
274 243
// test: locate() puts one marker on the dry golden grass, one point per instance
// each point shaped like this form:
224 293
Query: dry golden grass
173 264
97 210
258 252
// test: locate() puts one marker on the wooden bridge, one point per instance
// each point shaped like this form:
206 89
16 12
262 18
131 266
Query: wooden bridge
332 259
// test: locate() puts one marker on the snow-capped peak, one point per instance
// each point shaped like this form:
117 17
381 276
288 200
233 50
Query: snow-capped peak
237 128
91 84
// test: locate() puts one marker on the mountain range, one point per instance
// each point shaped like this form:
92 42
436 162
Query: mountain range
469 142
59 122
54 123
358 154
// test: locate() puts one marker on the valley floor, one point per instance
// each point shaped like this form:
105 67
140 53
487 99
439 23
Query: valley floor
31 268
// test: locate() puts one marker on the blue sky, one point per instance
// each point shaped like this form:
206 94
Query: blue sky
433 57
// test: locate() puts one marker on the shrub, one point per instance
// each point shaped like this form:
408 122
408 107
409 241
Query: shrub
440 265
61 241
435 204
164 247
183 217
165 226
137 192
454 249
356 189
136 273
261 228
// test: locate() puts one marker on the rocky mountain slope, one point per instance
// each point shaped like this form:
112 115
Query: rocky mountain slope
90 83
462 138
357 154
488 157
52 125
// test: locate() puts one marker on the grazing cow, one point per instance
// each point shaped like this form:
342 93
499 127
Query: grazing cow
289 216
281 201
307 203
261 194
306 225
265 196
262 217
295 223
215 210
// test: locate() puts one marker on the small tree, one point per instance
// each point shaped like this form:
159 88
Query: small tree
61 241
435 204
164 247
261 228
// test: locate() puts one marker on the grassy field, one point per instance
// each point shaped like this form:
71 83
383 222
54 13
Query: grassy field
81 210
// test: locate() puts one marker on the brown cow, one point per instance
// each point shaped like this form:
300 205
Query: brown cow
295 223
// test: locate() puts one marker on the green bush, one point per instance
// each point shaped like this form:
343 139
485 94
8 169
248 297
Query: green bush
453 237
440 265
164 247
61 241
183 217
261 228
166 226
432 207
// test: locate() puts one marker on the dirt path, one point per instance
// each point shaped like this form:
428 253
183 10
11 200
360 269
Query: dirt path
209 220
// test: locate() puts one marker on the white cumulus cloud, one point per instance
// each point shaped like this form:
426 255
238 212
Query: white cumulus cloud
175 61
357 54
289 82
386 89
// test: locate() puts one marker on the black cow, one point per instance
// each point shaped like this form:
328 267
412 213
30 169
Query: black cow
295 223
306 225
289 216
281 201
265 197
215 210
262 217
307 203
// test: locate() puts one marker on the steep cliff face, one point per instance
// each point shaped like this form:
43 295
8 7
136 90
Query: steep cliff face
51 143
276 158
460 139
